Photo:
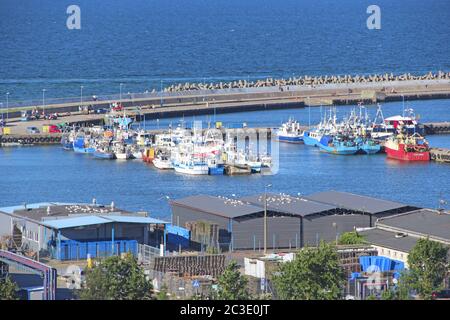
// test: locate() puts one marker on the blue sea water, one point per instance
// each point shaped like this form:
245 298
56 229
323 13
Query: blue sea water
141 42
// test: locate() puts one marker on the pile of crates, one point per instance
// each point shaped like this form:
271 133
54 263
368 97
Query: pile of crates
79 250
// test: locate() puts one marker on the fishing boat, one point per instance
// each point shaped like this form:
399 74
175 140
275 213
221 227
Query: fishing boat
104 153
369 146
290 132
81 146
121 151
215 167
191 167
66 143
148 154
407 147
338 145
163 162
312 138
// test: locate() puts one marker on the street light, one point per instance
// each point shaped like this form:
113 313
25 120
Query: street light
161 93
43 102
7 106
265 217
120 94
81 96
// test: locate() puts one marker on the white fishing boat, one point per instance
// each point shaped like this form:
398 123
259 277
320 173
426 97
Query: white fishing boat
191 167
163 162
121 151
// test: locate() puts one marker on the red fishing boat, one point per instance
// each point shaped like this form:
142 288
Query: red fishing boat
407 147
148 154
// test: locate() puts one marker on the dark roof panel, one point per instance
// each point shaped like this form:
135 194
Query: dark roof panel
423 222
220 206
355 202
389 240
288 204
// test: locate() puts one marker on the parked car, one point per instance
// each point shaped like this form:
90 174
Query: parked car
102 110
443 294
32 130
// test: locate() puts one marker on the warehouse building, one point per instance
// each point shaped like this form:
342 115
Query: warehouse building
292 222
69 231
395 236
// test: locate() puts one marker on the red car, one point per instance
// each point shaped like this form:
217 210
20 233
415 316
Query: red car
53 129
118 107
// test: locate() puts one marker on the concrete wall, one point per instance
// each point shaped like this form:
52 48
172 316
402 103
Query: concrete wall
5 224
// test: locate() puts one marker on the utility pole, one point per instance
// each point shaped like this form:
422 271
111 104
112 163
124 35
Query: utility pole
81 96
43 101
7 106
120 93
161 93
265 217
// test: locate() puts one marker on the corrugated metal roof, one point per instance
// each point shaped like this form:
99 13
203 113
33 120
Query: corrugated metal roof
355 202
387 239
134 219
424 222
38 205
220 206
75 222
288 204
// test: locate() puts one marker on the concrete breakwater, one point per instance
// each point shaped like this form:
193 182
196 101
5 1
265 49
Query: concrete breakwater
242 95
306 81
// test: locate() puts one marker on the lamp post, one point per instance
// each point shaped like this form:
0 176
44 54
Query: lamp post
7 106
265 217
161 93
43 102
335 227
120 93
81 96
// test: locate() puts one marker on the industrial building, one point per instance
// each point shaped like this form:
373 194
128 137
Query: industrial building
292 222
395 236
70 231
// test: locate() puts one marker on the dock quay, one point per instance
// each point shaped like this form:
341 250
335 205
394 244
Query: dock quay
440 155
164 104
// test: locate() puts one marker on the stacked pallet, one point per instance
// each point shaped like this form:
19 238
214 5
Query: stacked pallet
189 266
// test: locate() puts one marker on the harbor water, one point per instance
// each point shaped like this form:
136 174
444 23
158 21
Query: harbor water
36 174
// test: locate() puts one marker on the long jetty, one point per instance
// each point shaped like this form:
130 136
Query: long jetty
196 99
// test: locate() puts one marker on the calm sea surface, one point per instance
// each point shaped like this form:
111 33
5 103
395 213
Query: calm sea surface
141 42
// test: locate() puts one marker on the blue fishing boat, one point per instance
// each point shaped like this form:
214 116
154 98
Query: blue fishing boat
79 146
103 154
369 146
335 145
66 143
312 138
290 132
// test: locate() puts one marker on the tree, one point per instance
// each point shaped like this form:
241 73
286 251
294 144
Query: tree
348 238
314 274
231 284
428 267
116 278
8 289
162 294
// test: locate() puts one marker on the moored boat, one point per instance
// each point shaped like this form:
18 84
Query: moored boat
290 132
335 145
407 148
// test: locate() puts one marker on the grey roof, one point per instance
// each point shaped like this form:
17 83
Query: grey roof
387 239
220 206
423 222
288 204
355 202
57 210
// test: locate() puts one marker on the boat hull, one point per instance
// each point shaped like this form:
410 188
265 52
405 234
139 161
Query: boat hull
310 141
339 150
195 170
104 155
216 171
290 139
83 150
162 165
400 154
